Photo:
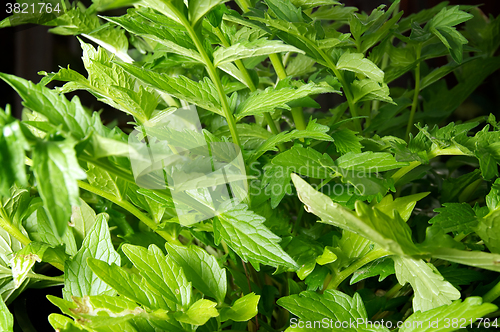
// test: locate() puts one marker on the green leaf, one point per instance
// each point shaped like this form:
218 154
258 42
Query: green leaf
285 10
79 279
248 49
265 101
55 107
493 198
198 313
431 290
83 219
6 318
199 8
242 310
103 180
357 63
404 205
313 130
480 259
245 233
467 311
161 274
367 89
488 230
382 267
390 232
12 156
345 141
201 93
450 17
368 162
455 217
24 260
128 284
56 171
333 305
307 162
201 269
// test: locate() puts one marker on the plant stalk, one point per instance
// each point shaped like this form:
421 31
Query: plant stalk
415 95
492 294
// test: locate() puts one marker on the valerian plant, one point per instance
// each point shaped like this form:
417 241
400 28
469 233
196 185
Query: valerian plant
379 211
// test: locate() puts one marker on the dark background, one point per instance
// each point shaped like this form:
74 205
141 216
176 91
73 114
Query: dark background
26 50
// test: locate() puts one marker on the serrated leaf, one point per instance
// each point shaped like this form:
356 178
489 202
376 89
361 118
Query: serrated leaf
455 217
468 311
488 229
245 233
201 269
404 205
12 156
162 274
345 141
250 49
313 130
201 93
83 219
449 17
265 101
389 232
56 170
382 267
357 63
24 260
367 89
242 310
79 279
493 198
368 161
307 162
198 313
431 290
127 284
331 305
55 107
285 10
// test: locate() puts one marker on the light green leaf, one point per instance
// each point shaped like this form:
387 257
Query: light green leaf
245 233
370 162
404 205
161 273
201 93
127 284
488 230
103 180
357 63
367 89
79 279
199 8
331 305
307 162
389 232
345 141
242 310
431 290
83 219
56 171
112 39
55 107
6 318
468 311
201 269
24 260
455 217
265 101
313 130
450 17
12 156
63 323
493 198
250 49
198 313
480 259
285 10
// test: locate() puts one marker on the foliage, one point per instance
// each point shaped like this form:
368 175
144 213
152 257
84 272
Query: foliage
254 214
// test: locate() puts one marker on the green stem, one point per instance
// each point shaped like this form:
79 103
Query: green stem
341 276
393 291
32 275
124 204
492 294
212 72
415 95
278 66
250 84
7 225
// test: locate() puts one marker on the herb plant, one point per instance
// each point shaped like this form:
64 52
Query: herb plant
309 189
